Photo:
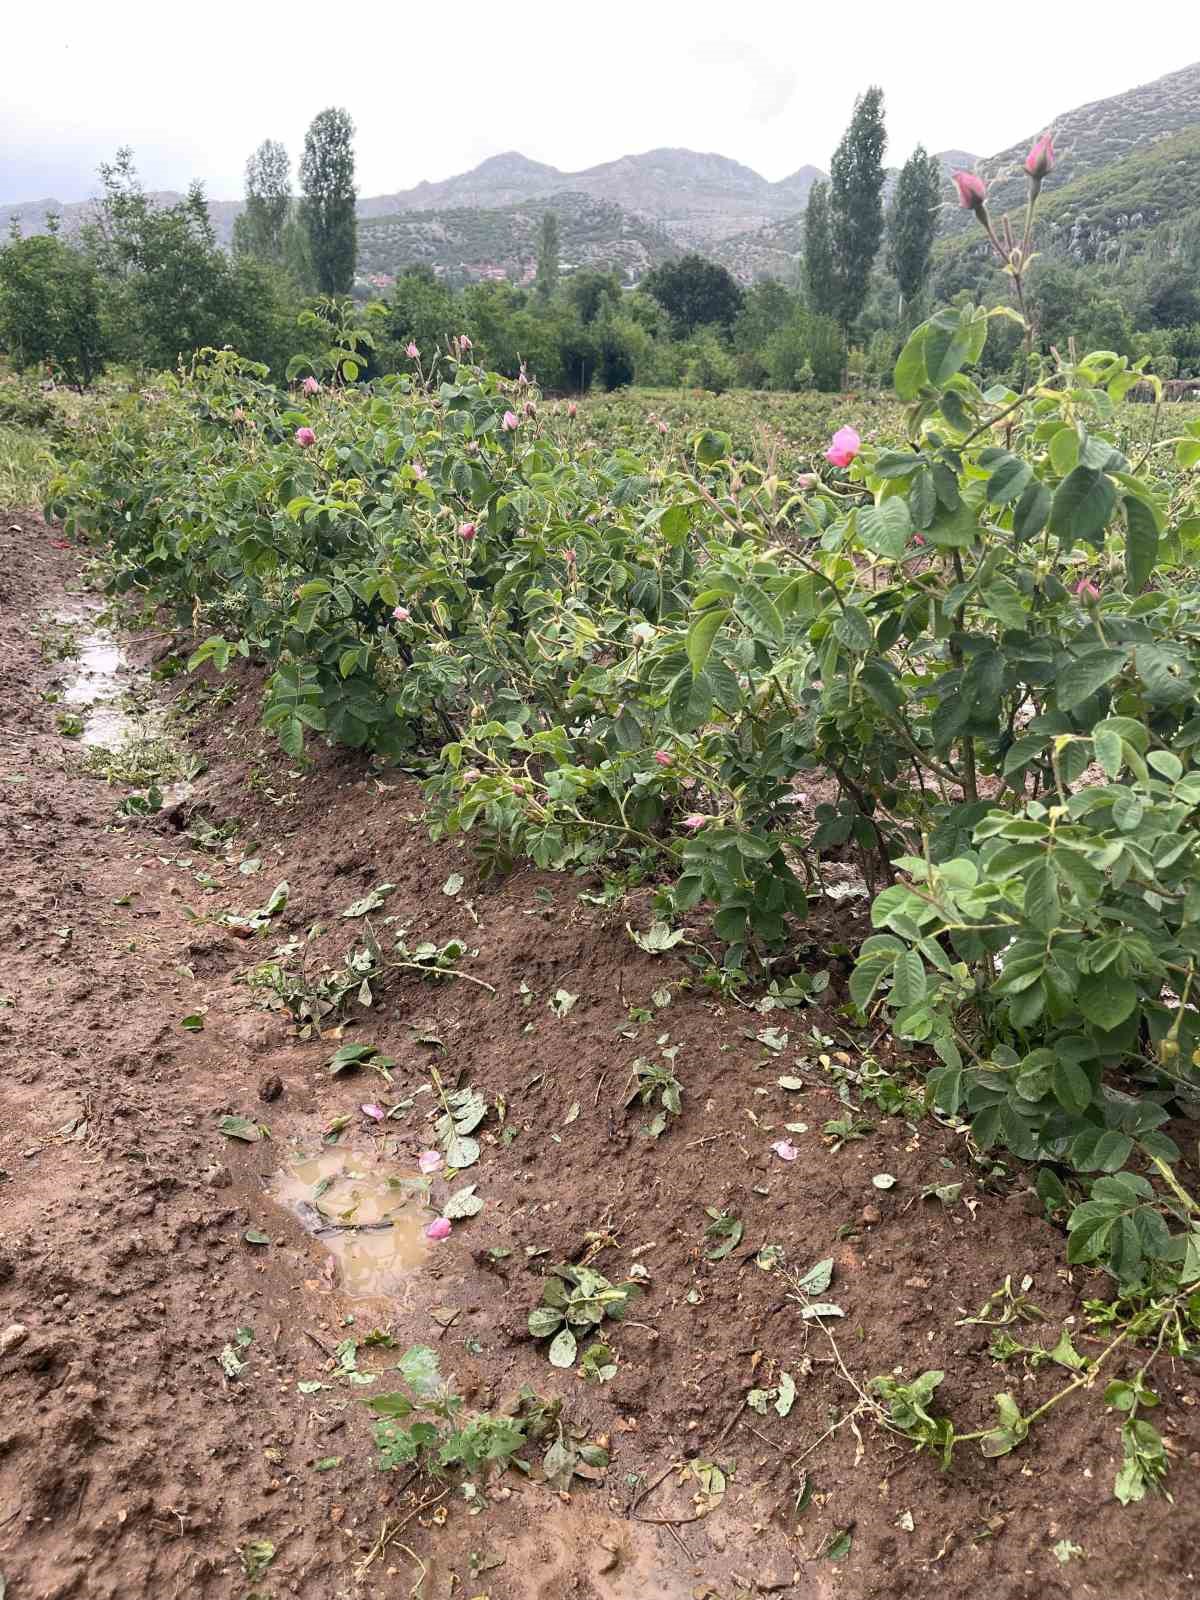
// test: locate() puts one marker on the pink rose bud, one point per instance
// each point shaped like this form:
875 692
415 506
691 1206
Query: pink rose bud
807 480
972 191
918 538
375 1112
411 351
662 427
572 409
696 820
1087 591
439 1228
472 775
465 342
509 421
430 1161
663 757
238 414
1040 159
785 1150
467 531
311 386
530 409
569 557
402 614
843 448
305 437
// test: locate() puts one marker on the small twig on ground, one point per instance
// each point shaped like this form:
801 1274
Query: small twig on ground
388 1534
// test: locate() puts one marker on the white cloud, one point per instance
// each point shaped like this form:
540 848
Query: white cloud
433 89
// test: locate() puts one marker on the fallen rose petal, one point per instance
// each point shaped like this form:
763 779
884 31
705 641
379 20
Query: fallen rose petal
785 1150
439 1228
430 1161
376 1113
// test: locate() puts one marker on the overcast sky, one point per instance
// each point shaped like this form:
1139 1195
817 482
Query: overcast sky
435 88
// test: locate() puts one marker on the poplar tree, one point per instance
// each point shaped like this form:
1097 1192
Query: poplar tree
327 180
820 286
912 222
548 257
259 230
856 204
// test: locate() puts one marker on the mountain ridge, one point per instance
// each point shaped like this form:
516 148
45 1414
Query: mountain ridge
638 208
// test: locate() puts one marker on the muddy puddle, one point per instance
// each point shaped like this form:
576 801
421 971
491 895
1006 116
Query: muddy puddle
99 686
110 696
367 1215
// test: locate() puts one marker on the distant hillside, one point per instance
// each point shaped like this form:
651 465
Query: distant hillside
697 198
31 215
1098 216
772 251
1114 213
1092 137
470 244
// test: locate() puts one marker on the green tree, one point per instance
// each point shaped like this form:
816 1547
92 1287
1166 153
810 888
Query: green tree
421 310
820 285
912 222
768 307
327 180
50 302
855 204
259 230
548 257
169 287
695 293
590 289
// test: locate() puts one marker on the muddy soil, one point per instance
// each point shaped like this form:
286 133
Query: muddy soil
176 1298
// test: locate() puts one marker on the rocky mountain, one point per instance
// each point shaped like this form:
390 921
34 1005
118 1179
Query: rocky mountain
473 244
1091 138
503 180
638 209
696 197
31 216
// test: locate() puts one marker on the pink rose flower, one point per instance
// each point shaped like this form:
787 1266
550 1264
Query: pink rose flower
572 409
311 386
1040 159
430 1161
972 191
467 531
569 557
305 437
411 351
662 427
402 613
785 1150
663 757
464 342
238 414
418 471
439 1228
696 820
843 448
472 775
509 421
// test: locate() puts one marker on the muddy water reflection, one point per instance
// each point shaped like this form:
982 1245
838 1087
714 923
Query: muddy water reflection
371 1218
